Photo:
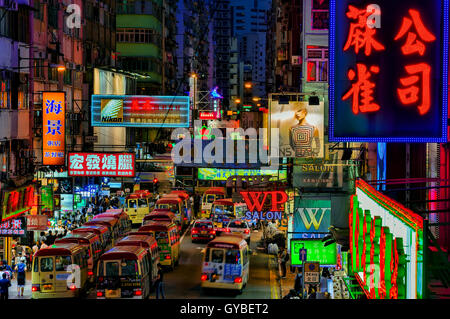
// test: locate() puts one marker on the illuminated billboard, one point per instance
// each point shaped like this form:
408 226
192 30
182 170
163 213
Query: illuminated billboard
315 251
301 128
101 164
388 71
217 174
17 202
386 246
140 111
312 217
53 128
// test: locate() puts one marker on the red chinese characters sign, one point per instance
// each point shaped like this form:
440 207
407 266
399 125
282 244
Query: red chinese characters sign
17 202
388 69
101 164
13 227
37 222
53 128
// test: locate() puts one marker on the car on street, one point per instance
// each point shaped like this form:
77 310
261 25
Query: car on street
241 227
203 229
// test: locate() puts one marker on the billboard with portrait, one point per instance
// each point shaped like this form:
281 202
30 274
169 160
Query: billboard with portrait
301 128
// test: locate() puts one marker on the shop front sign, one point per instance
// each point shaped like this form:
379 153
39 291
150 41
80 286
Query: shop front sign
37 222
386 246
13 227
54 119
101 164
17 202
311 217
264 205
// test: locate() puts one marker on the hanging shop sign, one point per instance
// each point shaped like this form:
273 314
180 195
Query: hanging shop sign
218 174
301 128
37 222
316 250
264 205
17 202
53 126
101 164
311 217
140 111
386 246
318 175
46 198
389 71
13 227
203 115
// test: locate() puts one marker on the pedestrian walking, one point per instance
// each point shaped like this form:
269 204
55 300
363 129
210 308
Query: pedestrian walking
21 269
5 283
284 257
298 283
43 245
35 248
159 283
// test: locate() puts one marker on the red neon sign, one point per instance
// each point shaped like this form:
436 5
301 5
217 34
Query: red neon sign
101 164
255 204
361 35
207 115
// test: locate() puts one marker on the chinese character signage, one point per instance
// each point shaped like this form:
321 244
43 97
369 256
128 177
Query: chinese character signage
37 222
101 164
53 128
301 128
13 227
140 111
46 198
388 71
315 249
17 202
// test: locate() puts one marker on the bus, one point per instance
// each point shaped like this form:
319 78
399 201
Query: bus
148 242
224 210
168 240
175 205
54 275
101 230
123 272
226 263
111 222
159 215
138 205
187 203
92 242
121 215
208 198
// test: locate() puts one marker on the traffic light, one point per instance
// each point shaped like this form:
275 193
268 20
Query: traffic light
155 184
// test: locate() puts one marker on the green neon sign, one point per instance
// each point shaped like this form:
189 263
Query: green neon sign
315 251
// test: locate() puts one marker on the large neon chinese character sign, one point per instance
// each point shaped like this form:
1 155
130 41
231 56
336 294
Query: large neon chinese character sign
53 128
387 63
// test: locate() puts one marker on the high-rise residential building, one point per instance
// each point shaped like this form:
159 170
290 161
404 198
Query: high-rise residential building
194 29
58 66
284 46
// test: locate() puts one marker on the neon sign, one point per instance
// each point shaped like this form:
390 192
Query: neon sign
386 246
389 71
13 227
140 111
258 208
101 164
53 117
17 202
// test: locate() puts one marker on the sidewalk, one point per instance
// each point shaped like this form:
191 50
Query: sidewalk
26 291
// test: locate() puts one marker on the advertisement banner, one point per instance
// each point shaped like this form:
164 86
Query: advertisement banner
17 202
37 222
140 111
301 128
218 174
388 71
311 217
53 128
315 251
46 198
101 164
13 227
318 175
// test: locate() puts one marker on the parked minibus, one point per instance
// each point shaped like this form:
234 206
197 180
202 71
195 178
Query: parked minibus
168 239
123 272
54 274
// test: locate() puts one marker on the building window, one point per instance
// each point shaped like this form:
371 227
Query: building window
138 36
317 64
319 14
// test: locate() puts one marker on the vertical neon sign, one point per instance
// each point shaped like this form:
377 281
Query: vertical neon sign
53 126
